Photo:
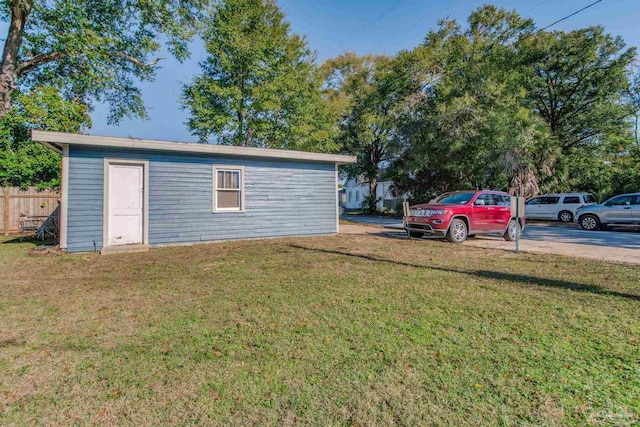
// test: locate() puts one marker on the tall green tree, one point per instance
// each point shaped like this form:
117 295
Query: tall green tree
510 108
634 98
24 163
578 84
366 91
467 126
91 50
259 84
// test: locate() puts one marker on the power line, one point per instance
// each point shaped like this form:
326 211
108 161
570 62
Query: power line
385 12
567 17
537 6
432 13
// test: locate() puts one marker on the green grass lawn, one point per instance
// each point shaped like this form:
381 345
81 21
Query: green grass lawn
344 330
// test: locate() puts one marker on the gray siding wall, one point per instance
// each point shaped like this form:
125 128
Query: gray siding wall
282 198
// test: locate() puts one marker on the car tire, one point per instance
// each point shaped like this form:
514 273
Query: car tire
513 228
590 222
416 234
457 232
565 216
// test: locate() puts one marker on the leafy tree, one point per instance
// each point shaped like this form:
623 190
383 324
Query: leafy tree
259 84
91 50
578 85
24 163
634 99
626 172
512 109
466 127
579 82
362 88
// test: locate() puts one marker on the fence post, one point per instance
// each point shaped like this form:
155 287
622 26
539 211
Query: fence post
6 211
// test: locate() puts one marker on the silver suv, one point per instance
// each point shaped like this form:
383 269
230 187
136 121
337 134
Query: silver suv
619 210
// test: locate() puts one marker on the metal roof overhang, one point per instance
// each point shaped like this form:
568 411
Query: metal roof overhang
56 140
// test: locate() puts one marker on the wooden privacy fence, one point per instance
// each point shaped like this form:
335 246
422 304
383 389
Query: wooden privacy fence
15 203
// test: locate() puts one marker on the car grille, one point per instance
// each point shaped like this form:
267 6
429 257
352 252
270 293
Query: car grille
421 212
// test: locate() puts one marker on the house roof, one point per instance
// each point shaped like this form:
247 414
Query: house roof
55 141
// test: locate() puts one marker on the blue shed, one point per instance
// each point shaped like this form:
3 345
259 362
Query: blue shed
130 194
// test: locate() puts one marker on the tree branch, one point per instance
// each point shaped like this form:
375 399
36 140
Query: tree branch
37 61
136 61
45 58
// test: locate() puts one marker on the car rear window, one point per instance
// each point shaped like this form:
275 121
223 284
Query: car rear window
569 200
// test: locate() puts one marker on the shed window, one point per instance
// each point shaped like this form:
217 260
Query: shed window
229 189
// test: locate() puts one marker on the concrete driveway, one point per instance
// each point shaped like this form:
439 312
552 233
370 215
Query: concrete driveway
617 245
375 220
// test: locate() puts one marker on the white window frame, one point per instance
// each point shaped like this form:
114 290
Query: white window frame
227 168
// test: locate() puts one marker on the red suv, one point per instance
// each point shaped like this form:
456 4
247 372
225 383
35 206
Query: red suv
463 214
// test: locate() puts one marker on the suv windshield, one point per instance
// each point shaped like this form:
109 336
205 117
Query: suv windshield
454 198
588 198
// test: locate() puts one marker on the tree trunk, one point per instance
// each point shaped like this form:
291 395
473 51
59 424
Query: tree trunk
241 137
20 9
373 187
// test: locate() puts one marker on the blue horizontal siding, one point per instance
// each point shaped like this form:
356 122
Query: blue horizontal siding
282 198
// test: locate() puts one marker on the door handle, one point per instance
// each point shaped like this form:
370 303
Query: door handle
627 207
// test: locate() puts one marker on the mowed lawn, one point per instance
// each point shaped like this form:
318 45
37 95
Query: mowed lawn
344 330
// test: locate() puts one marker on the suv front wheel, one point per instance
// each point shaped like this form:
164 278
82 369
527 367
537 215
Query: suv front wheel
457 231
590 222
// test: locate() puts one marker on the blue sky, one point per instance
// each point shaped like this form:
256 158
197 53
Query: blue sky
335 26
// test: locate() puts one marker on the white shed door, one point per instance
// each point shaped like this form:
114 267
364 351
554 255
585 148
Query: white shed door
125 204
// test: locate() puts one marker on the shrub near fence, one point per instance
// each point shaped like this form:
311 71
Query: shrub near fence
15 203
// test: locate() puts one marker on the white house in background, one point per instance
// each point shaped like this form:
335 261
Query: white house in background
357 190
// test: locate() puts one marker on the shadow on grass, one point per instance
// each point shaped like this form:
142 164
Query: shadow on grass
486 274
30 240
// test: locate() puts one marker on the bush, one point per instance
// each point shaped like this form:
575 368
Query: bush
370 204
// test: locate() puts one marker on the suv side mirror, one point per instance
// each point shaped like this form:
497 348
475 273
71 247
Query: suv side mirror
479 202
